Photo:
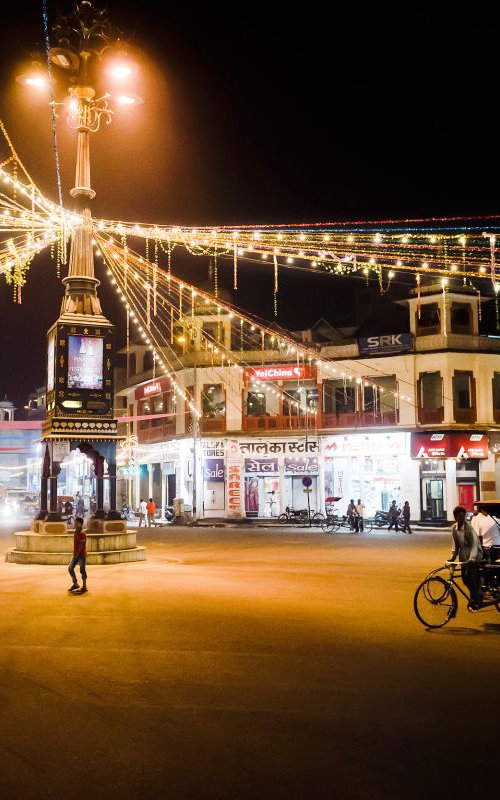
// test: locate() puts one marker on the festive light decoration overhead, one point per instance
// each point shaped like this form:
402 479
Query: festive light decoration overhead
178 303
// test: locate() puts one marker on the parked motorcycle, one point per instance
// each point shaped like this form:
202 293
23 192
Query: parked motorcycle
381 518
127 512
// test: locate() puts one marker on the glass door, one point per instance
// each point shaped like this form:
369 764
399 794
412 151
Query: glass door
432 498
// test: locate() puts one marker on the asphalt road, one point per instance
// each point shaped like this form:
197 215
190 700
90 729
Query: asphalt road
259 664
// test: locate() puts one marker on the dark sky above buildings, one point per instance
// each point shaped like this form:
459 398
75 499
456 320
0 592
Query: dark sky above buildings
262 113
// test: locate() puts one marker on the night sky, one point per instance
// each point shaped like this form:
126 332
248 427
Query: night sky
259 113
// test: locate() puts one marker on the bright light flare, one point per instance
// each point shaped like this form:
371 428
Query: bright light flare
121 71
126 100
38 81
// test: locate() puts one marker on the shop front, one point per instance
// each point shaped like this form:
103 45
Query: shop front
372 467
265 475
295 469
262 481
449 466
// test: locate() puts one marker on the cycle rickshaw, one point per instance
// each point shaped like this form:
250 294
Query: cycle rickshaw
436 599
334 522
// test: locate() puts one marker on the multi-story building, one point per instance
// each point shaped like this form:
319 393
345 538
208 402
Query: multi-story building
418 422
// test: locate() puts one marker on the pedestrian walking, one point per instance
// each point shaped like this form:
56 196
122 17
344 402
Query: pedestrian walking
79 558
79 505
143 510
392 516
352 515
405 513
151 508
360 509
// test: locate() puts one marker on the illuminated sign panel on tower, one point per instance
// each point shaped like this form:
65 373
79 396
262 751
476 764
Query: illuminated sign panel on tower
85 362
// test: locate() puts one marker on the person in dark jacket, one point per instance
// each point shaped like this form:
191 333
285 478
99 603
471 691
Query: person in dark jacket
405 513
392 516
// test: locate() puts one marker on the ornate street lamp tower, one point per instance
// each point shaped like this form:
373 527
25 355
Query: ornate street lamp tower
80 344
80 352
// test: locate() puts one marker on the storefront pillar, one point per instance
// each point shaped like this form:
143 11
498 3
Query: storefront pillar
487 478
451 492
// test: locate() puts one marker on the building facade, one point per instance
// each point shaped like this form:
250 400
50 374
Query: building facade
419 421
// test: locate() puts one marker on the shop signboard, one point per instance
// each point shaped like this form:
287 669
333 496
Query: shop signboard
213 448
269 447
213 470
383 345
282 372
439 445
152 388
369 444
264 466
234 487
301 466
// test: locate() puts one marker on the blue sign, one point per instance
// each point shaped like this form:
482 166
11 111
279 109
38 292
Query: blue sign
213 470
382 345
306 481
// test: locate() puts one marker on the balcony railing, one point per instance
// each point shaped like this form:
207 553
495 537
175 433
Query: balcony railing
157 432
212 424
431 416
464 415
358 419
277 422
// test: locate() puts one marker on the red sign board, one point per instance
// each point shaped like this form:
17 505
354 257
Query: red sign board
282 372
449 445
152 388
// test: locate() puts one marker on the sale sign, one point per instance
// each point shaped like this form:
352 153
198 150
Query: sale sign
213 470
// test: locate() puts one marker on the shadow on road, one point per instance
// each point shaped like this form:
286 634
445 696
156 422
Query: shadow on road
488 627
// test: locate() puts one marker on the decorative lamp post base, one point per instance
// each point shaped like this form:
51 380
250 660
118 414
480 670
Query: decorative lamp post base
108 542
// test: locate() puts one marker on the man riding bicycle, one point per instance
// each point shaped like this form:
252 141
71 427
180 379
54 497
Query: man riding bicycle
467 547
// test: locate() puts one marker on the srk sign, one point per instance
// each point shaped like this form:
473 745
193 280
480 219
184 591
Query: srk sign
382 345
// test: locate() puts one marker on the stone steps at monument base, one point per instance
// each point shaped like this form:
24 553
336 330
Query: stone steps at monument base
15 556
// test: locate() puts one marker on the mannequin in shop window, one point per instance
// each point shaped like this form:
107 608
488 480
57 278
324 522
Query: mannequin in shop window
253 495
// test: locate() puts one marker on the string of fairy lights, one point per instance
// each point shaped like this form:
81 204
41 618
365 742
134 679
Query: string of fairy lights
162 307
468 252
170 319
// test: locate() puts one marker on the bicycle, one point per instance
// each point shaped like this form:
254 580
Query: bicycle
333 523
436 602
300 517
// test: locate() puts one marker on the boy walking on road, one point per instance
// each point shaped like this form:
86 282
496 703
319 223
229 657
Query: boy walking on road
151 508
79 558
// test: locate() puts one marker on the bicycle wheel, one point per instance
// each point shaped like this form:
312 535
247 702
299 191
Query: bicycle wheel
435 602
318 518
283 519
367 526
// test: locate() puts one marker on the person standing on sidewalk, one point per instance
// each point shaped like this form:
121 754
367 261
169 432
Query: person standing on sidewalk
151 508
406 518
79 558
360 508
143 510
